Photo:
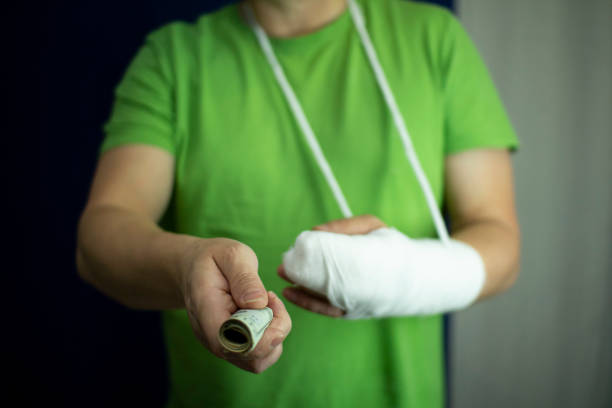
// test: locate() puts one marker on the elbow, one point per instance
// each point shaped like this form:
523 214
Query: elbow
94 272
511 278
514 265
86 274
81 266
504 281
83 269
505 262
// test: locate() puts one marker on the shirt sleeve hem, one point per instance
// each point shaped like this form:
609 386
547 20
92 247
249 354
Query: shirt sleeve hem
116 141
511 146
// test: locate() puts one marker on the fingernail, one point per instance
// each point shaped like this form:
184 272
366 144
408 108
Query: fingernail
253 297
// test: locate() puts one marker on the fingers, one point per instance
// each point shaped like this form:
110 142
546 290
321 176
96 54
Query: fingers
275 333
310 302
219 308
210 303
270 347
238 263
281 322
209 310
311 293
361 224
257 366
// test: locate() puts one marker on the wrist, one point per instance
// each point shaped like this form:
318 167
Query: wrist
183 252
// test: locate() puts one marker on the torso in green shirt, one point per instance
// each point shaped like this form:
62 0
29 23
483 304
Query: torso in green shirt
205 92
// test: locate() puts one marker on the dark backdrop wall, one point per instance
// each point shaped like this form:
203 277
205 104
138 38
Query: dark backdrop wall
80 348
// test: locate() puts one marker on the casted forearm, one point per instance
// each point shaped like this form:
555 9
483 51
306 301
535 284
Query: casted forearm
129 258
498 245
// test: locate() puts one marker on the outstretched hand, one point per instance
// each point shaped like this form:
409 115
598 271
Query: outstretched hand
315 302
219 277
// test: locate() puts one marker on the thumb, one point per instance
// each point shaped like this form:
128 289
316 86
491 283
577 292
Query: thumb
239 265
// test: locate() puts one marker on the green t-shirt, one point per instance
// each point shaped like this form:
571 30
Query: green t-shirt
205 93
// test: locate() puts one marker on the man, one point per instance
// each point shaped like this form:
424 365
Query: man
203 143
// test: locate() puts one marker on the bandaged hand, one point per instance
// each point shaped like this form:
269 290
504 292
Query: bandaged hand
385 273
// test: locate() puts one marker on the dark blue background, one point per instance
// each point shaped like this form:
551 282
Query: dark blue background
79 347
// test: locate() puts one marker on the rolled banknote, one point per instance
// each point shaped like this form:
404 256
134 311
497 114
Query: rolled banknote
243 330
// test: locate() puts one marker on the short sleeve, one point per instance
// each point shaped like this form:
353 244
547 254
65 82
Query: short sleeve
474 114
143 108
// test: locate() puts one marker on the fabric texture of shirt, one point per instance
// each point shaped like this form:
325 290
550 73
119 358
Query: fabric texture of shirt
204 92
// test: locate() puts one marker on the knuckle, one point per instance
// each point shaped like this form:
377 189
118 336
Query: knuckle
258 367
237 251
288 324
233 250
284 324
278 332
239 247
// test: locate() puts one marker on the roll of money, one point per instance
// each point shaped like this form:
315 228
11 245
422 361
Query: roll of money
243 330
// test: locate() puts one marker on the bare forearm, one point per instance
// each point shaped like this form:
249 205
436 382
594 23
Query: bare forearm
498 245
129 258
